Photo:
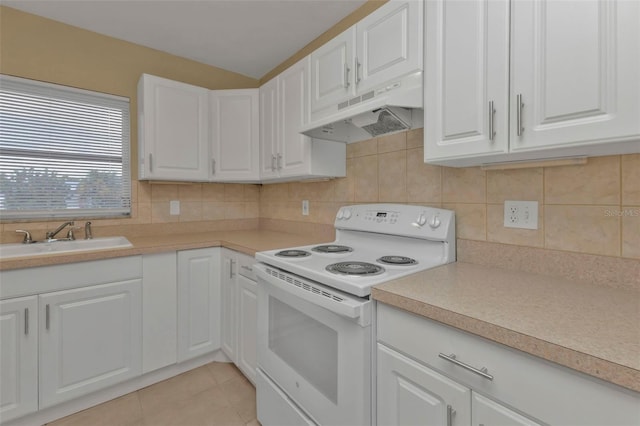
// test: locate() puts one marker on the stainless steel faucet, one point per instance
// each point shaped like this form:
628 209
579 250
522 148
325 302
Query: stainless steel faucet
51 234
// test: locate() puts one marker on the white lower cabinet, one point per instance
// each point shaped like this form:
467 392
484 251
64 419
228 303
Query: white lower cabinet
198 302
159 310
410 393
239 311
415 385
485 412
229 293
90 338
247 319
18 357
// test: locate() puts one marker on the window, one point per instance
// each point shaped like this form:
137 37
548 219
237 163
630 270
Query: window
64 152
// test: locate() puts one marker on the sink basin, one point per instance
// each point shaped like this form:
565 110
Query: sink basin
8 251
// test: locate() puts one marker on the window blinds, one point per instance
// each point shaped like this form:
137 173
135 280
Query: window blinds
64 152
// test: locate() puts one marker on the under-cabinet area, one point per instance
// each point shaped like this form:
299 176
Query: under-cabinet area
118 325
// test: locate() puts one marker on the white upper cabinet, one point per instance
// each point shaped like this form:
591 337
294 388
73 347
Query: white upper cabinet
385 45
388 44
286 154
173 128
331 71
189 133
466 78
578 86
293 109
269 129
525 80
234 135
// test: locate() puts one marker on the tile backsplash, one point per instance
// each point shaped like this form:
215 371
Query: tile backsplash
592 208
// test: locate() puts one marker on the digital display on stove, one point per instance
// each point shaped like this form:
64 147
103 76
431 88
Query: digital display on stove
381 214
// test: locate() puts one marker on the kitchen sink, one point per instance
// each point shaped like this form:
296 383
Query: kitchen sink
8 251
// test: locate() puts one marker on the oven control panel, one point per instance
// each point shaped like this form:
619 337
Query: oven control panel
397 219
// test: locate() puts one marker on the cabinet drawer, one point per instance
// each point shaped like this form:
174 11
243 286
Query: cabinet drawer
551 393
245 266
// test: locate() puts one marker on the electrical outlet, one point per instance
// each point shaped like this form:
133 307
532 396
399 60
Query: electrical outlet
521 214
174 207
305 207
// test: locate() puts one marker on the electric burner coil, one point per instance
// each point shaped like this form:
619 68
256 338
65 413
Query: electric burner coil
293 253
397 260
355 268
332 248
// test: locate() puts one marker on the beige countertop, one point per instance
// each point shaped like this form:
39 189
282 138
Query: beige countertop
589 328
248 242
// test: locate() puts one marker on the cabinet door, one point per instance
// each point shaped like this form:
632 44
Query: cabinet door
159 310
229 309
579 86
331 71
198 302
234 135
410 393
466 78
90 338
247 327
486 412
293 154
18 357
268 129
389 44
173 130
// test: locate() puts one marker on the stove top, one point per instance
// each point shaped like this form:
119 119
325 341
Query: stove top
374 243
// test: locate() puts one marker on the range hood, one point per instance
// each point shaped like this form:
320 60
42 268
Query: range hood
391 108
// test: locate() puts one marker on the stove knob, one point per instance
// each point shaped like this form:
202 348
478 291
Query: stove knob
347 214
340 214
434 222
420 221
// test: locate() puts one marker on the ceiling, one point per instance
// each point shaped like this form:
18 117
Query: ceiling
250 37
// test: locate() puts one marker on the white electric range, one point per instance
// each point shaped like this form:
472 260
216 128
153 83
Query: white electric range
314 313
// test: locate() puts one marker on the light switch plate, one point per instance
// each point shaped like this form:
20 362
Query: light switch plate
521 214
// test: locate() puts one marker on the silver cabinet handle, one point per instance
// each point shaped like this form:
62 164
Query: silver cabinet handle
47 317
26 321
519 106
492 113
358 78
279 161
347 70
231 262
450 413
247 268
150 163
213 166
481 372
273 163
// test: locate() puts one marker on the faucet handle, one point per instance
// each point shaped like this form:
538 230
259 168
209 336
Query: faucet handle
70 234
27 236
88 234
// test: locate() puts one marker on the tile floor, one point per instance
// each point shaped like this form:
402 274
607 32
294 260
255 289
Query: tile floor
216 394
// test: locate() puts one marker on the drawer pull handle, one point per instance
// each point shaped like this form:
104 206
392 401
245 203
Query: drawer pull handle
481 372
247 268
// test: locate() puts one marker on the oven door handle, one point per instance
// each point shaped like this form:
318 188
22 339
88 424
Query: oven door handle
347 307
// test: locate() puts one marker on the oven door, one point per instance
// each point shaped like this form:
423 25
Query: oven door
315 348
